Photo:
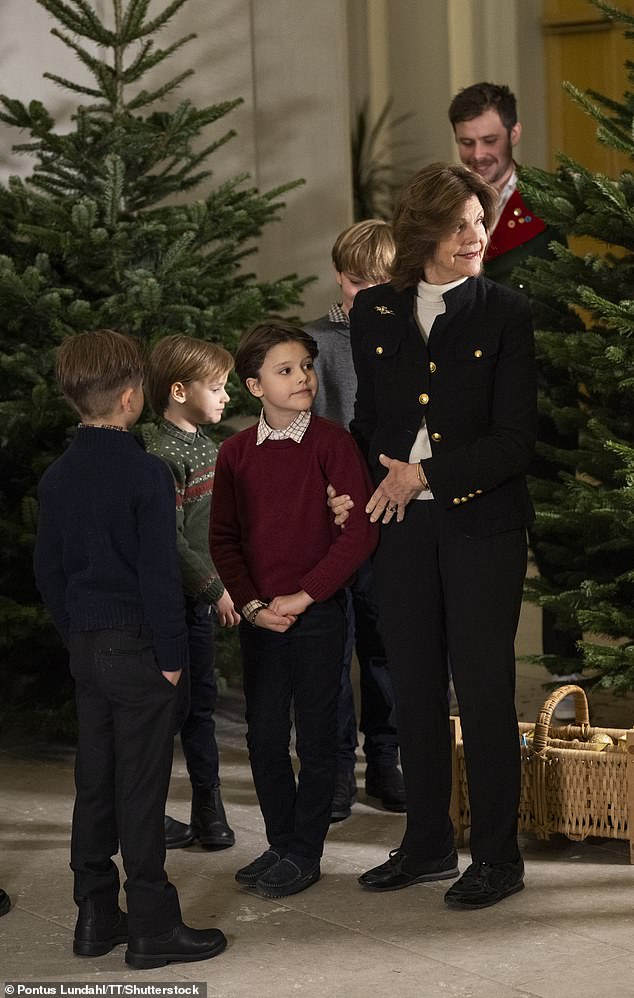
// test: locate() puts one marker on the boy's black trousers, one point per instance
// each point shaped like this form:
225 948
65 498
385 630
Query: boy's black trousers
302 666
125 711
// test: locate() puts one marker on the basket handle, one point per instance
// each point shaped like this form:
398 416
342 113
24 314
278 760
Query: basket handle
542 725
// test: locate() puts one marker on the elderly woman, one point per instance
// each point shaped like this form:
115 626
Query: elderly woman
445 414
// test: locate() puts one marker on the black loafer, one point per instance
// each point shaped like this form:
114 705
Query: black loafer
484 884
391 875
178 835
180 945
286 878
249 875
388 786
99 928
5 902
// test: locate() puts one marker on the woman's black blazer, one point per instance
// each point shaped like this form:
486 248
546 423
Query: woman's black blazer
474 382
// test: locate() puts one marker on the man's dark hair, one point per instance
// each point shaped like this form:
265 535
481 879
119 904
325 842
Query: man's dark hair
480 97
257 341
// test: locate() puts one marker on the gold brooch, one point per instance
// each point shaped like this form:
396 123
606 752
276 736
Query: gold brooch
383 310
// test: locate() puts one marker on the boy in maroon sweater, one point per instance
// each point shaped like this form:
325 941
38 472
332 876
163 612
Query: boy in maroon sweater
286 564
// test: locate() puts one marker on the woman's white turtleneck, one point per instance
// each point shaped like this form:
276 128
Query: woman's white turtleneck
429 304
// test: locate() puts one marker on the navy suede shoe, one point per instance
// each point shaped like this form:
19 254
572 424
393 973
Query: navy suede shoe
249 875
287 877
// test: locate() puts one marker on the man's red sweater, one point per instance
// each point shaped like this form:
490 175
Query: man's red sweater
272 532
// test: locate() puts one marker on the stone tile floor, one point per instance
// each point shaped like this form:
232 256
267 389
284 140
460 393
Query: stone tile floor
570 934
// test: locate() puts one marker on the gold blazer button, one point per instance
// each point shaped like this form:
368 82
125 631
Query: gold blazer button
477 353
436 436
432 366
423 399
379 350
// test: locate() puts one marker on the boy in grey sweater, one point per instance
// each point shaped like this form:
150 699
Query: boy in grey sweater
362 257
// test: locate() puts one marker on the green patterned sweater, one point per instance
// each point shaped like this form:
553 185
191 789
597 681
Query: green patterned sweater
192 460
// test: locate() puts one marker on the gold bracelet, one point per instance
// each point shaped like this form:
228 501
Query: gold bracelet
421 477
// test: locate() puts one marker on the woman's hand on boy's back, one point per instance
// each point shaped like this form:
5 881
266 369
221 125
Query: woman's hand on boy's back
226 612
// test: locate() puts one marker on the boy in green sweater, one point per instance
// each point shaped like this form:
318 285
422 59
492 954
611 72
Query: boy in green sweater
186 386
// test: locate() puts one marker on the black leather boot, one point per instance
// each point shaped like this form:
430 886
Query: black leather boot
209 820
178 835
100 926
180 945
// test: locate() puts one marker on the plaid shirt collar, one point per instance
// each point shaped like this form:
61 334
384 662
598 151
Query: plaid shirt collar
295 431
337 314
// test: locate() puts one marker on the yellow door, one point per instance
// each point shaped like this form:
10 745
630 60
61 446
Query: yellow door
585 48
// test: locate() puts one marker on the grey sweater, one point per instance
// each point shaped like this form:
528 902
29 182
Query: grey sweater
334 366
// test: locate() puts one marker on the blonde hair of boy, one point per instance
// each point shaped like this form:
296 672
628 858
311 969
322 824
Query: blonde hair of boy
93 368
184 359
366 250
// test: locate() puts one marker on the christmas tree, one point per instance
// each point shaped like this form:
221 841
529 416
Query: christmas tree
95 237
584 492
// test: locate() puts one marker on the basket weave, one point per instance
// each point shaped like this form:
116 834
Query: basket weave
566 787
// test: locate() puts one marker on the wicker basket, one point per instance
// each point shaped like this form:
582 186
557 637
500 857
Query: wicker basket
567 787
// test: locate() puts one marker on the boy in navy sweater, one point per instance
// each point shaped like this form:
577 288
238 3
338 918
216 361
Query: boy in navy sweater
286 565
107 568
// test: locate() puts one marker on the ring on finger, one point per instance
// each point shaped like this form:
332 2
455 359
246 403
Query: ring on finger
393 509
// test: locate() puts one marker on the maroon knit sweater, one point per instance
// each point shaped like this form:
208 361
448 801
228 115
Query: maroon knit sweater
272 532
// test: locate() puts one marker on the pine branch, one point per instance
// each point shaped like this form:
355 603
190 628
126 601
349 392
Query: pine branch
153 27
82 21
152 57
145 98
77 88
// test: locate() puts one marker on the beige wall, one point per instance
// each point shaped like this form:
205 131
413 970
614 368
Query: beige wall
420 52
301 66
287 59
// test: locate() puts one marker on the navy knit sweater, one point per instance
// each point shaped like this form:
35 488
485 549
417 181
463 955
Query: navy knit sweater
105 554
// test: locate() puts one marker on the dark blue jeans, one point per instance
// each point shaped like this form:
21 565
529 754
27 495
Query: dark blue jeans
378 721
302 666
125 712
198 730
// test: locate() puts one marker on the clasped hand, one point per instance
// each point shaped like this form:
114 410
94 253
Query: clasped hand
283 611
399 486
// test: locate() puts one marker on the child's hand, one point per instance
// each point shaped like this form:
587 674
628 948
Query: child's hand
293 604
340 506
227 616
173 677
272 621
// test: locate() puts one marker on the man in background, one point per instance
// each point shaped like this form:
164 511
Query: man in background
484 120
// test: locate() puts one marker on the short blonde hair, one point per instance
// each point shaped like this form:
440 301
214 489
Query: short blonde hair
428 207
185 359
94 368
366 250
